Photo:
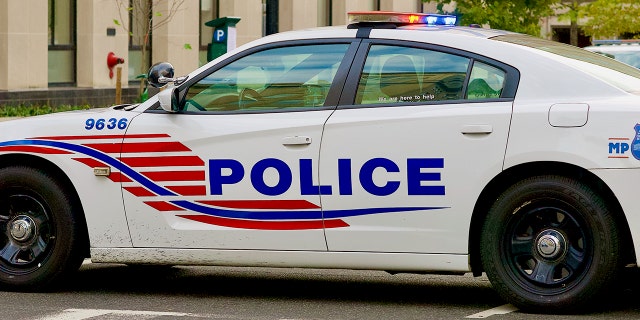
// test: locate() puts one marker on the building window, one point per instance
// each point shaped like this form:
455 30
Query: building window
62 43
139 62
208 11
324 13
270 17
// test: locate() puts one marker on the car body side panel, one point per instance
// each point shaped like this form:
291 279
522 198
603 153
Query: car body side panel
605 141
67 141
604 145
198 188
433 222
395 262
619 180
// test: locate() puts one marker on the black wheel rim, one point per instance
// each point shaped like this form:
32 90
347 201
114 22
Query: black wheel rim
27 235
548 246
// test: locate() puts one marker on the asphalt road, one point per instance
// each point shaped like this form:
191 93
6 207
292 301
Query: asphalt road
109 292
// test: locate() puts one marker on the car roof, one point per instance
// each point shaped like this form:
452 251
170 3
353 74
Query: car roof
350 32
457 30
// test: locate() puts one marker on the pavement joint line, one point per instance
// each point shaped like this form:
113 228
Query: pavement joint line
83 314
86 314
503 309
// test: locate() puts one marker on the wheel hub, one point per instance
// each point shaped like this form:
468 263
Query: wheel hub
551 244
22 228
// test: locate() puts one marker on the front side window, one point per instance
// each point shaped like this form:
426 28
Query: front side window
394 74
283 78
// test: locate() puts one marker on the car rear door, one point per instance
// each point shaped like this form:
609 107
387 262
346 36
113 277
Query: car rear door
419 134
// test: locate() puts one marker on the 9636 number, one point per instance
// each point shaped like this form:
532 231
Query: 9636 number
109 124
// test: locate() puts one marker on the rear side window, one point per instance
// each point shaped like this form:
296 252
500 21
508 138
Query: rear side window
393 74
485 82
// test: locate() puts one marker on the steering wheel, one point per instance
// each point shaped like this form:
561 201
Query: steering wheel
248 94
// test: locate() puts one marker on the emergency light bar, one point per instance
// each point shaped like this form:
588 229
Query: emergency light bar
431 19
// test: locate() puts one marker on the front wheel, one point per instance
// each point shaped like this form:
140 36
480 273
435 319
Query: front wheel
550 244
40 235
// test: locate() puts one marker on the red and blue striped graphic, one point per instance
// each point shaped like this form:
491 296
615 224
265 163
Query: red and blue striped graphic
159 170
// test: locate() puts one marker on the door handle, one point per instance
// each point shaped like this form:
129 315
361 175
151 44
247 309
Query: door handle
296 141
477 129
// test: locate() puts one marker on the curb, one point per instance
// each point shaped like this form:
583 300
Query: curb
9 118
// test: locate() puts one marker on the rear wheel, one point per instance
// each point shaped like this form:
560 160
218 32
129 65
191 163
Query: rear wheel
40 238
550 244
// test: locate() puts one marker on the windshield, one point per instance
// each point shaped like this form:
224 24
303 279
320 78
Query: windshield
609 70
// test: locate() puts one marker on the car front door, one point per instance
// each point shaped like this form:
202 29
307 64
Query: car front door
238 167
408 157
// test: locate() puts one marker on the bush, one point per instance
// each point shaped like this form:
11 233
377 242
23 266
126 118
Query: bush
25 111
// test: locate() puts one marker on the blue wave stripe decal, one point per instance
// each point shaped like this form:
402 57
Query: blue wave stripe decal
291 214
134 175
331 214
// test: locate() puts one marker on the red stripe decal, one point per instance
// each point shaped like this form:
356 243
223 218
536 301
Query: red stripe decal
138 147
33 149
175 175
262 204
189 190
334 223
163 206
266 225
119 177
139 191
90 162
106 147
108 136
163 161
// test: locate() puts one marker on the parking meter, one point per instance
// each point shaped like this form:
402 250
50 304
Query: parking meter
224 36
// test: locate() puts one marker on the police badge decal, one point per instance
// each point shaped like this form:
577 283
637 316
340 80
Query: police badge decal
635 144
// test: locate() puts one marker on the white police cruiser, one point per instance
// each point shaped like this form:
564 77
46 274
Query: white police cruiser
400 142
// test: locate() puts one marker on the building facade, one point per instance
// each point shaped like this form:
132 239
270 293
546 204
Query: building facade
54 50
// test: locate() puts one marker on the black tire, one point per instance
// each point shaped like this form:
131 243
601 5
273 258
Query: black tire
41 239
550 245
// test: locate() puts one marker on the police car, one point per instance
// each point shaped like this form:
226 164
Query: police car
400 142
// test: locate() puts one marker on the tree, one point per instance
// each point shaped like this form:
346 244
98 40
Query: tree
572 9
611 18
145 19
519 16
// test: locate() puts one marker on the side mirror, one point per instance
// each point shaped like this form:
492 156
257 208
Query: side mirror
157 71
169 99
161 76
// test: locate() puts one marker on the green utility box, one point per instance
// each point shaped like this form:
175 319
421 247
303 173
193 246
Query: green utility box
224 36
